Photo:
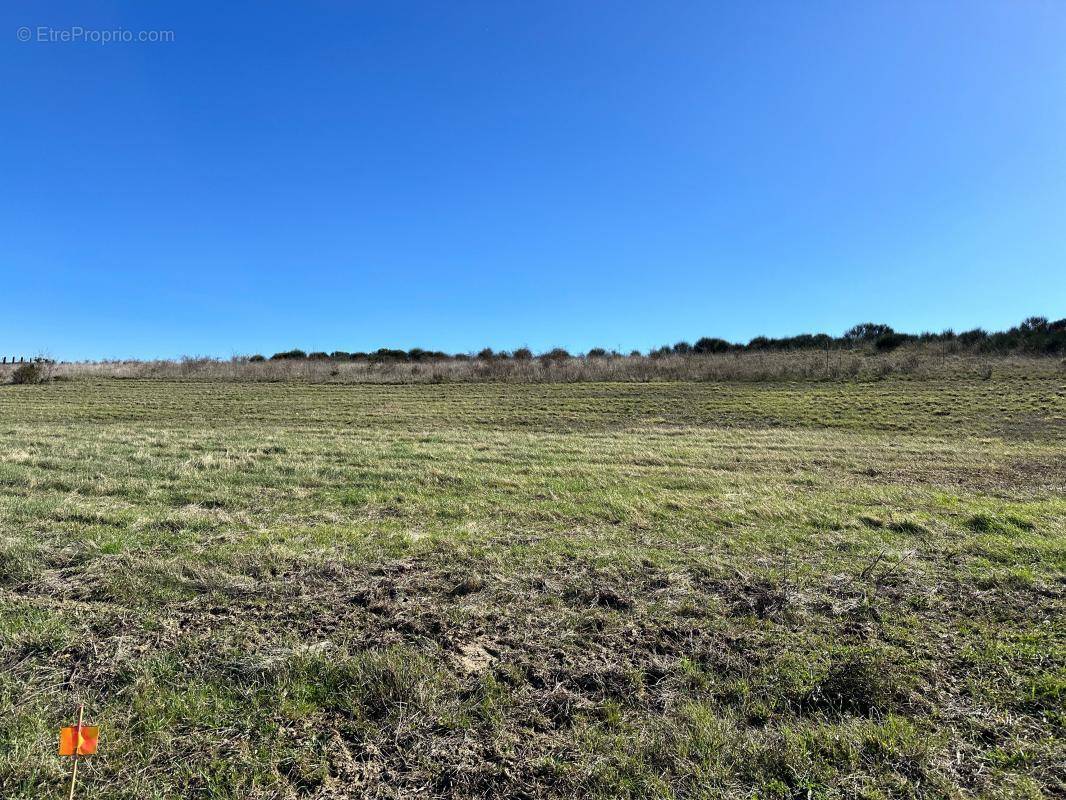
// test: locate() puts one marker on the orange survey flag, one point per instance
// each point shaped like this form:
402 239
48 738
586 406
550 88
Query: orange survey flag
80 738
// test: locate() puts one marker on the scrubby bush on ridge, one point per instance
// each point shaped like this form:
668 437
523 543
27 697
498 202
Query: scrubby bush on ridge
1034 335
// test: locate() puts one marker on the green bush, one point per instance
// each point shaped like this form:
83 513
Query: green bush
29 373
707 344
555 354
890 341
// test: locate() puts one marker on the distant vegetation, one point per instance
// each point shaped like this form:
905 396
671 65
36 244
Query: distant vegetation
868 351
1034 336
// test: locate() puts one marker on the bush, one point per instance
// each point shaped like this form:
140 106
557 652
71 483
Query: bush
29 373
1034 325
707 344
890 341
257 358
288 354
597 352
388 354
556 354
866 331
972 338
523 354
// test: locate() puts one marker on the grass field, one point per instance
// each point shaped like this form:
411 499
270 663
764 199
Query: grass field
573 590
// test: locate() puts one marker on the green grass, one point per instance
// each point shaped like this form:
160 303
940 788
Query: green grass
642 590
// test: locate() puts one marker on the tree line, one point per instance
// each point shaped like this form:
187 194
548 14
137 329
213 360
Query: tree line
1034 336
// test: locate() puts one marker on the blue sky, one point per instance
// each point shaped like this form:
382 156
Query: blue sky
351 175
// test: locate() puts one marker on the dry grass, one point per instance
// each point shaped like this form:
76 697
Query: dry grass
915 361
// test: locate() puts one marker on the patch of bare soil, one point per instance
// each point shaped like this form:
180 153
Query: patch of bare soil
1030 478
1035 426
563 642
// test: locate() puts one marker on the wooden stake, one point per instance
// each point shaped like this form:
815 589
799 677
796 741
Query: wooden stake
77 747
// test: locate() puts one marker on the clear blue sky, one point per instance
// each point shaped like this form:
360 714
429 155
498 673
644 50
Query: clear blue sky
351 175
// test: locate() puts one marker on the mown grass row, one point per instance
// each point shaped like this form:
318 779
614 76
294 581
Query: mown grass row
1010 407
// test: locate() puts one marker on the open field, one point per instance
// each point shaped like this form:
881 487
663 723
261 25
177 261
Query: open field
811 589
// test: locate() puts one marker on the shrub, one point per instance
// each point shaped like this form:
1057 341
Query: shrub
890 341
257 358
486 354
597 352
288 354
29 373
708 345
319 356
1034 324
523 354
556 354
866 331
387 354
969 338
